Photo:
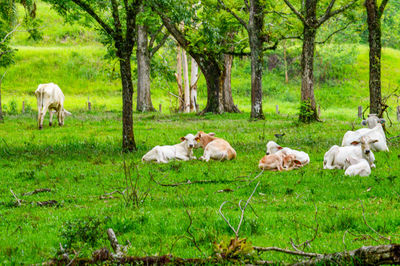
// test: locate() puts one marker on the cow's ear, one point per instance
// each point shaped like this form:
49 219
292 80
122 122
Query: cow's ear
297 162
212 134
355 143
373 141
197 139
364 122
182 139
279 148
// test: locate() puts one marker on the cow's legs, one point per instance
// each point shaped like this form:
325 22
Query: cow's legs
61 117
42 114
51 117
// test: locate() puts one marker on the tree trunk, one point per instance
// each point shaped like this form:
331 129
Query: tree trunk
374 30
256 45
194 77
213 75
144 103
1 109
227 98
178 76
128 139
186 92
308 110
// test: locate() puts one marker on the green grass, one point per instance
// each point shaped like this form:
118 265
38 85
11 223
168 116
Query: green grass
82 161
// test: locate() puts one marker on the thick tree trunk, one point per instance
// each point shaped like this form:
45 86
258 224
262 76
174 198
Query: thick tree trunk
374 30
227 98
213 75
255 30
186 86
144 103
308 110
194 77
128 139
178 76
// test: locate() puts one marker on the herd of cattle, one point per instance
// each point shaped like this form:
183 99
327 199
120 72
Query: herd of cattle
355 155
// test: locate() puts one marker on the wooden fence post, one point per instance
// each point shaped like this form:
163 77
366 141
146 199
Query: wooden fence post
398 113
277 109
160 108
89 104
359 111
23 106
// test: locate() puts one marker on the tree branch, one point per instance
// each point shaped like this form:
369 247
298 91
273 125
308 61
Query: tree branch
287 251
93 14
227 9
334 13
296 12
154 35
8 34
333 33
328 10
159 45
117 22
382 8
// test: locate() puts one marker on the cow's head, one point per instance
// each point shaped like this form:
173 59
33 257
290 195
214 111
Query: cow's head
365 145
372 121
190 141
202 139
272 147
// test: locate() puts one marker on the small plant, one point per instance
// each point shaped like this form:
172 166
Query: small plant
12 109
82 230
235 250
132 195
307 113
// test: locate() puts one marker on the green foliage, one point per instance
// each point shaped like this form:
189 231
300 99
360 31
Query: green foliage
88 230
237 251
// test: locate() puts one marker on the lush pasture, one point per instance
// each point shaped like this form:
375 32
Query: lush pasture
82 161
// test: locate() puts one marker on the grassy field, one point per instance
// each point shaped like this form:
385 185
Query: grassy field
82 161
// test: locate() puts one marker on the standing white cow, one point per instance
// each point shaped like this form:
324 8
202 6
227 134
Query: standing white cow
374 131
50 97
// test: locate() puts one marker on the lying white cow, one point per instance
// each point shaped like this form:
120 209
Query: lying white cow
356 166
300 156
182 151
336 157
214 148
374 131
50 97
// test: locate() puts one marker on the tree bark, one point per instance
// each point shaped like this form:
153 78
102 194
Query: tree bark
186 92
128 140
227 98
255 27
144 103
213 75
374 38
308 111
194 77
178 76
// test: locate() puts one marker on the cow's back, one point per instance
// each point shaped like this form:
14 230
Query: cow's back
51 92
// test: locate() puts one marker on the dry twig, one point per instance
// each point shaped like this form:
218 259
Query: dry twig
365 221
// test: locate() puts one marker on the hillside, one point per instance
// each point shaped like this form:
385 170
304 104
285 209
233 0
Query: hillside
70 56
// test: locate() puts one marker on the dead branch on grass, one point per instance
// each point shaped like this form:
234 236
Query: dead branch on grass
370 227
38 190
18 201
236 231
307 242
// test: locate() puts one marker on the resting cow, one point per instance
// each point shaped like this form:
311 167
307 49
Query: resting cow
278 161
336 156
300 156
214 148
374 131
50 97
182 151
356 166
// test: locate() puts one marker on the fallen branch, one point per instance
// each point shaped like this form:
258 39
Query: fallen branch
188 182
38 190
47 203
118 249
16 198
287 251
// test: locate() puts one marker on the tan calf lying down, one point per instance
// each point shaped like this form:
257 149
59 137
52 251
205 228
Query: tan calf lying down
280 161
214 148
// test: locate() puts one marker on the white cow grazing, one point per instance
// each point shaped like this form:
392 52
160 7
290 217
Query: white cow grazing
356 166
374 131
301 156
336 156
182 151
50 97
